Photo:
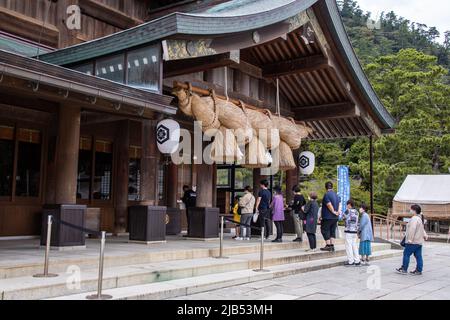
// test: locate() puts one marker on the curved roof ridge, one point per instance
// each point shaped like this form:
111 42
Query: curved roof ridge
171 24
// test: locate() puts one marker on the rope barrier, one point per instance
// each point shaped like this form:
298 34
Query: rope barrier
245 225
85 230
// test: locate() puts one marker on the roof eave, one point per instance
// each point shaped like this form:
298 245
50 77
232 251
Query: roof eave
344 46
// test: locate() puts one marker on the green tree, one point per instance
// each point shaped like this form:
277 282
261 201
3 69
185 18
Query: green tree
412 86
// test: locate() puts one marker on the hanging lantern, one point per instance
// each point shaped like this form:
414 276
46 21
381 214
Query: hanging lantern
168 136
307 162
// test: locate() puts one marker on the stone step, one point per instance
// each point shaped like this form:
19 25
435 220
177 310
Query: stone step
86 259
138 274
187 286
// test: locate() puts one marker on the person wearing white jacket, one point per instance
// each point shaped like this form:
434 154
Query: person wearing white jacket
351 218
413 242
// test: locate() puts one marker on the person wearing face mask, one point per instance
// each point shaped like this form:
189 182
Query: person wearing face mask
413 241
365 234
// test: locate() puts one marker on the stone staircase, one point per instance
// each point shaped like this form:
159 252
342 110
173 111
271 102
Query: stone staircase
168 274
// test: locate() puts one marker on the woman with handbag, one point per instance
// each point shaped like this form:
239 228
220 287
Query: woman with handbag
277 207
413 241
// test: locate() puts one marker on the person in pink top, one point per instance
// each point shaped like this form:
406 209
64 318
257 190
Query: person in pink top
278 213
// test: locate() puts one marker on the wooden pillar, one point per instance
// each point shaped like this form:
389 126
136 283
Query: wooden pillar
150 161
291 182
371 173
256 180
205 175
122 149
172 185
68 143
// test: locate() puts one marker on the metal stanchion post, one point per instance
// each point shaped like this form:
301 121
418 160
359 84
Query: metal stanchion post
99 295
261 254
221 239
47 251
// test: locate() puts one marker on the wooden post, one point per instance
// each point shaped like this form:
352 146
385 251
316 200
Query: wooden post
371 179
291 182
371 173
148 220
256 181
121 178
68 143
66 166
172 185
205 176
150 157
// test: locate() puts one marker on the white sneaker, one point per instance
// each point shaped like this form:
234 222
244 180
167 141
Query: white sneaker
239 239
247 238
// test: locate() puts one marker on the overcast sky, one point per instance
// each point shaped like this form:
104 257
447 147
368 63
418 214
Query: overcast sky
433 13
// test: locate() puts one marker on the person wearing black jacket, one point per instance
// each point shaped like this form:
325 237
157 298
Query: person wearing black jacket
298 215
189 199
311 217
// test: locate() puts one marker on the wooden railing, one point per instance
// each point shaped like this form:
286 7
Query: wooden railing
388 228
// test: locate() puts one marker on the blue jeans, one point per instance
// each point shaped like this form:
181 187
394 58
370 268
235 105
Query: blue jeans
415 249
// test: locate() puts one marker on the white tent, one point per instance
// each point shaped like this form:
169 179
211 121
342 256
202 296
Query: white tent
425 189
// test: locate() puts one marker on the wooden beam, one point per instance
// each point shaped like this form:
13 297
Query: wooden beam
29 28
107 14
248 68
185 66
299 65
327 111
9 111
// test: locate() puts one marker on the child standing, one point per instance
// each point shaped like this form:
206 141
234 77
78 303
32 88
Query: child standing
237 218
351 234
365 235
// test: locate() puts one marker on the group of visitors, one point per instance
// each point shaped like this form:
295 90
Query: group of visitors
307 214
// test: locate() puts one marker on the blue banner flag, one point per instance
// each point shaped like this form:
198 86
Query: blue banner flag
343 189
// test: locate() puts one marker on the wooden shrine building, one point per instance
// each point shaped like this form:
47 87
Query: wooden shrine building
78 115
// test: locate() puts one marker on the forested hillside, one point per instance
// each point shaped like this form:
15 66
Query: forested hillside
409 71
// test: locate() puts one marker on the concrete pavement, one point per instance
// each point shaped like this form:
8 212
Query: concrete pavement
378 281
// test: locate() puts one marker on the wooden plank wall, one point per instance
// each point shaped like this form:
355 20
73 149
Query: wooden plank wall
430 211
114 16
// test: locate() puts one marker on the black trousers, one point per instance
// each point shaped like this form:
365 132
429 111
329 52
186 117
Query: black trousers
279 226
188 222
312 240
264 221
